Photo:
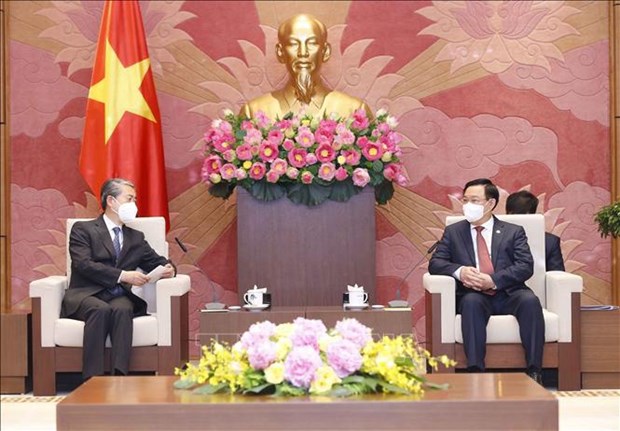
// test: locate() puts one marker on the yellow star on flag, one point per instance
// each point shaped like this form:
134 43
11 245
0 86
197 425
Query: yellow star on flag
120 91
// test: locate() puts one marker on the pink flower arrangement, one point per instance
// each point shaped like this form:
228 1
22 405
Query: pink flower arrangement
302 151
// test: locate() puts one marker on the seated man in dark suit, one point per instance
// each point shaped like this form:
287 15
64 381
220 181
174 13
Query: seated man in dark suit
524 202
490 260
104 257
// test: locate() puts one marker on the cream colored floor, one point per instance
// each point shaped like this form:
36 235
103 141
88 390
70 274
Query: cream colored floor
586 410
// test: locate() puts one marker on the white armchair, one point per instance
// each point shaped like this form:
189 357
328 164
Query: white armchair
160 339
559 293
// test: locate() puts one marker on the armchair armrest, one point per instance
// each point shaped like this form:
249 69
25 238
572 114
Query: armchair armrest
51 290
166 288
560 286
445 286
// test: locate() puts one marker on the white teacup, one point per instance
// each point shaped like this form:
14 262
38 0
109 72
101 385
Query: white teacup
251 297
358 298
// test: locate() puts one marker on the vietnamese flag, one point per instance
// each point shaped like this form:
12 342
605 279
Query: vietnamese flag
122 134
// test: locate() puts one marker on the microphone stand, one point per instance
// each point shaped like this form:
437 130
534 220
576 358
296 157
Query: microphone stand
401 303
211 306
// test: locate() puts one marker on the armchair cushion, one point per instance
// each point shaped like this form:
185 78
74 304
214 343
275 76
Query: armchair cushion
70 332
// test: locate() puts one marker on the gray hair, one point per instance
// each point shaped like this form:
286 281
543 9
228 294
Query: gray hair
113 187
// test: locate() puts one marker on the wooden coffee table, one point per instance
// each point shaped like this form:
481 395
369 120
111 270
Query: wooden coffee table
474 401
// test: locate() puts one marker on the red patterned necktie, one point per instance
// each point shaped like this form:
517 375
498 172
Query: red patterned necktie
486 266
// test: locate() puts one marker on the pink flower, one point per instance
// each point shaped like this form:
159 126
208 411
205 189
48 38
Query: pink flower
311 158
361 177
360 120
283 124
279 166
300 366
306 332
262 354
346 137
306 177
325 153
327 127
211 164
268 151
352 157
327 171
362 141
272 176
292 173
246 125
228 171
257 333
241 174
253 136
297 157
402 179
373 151
344 357
229 155
275 137
288 145
262 120
354 331
341 174
257 171
324 135
244 152
305 138
391 171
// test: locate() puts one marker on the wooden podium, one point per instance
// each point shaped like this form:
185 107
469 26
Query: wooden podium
306 255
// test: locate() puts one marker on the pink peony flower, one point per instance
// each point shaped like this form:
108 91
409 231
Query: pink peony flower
262 354
341 174
288 145
212 164
297 157
272 176
257 171
391 171
354 331
292 173
257 333
268 151
311 158
228 171
402 179
305 138
327 171
241 174
373 151
246 125
360 120
279 166
275 137
324 135
306 177
352 157
262 120
306 332
362 141
346 137
361 177
229 155
300 366
344 357
244 152
253 137
325 153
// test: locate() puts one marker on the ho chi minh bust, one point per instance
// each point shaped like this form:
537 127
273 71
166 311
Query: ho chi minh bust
302 46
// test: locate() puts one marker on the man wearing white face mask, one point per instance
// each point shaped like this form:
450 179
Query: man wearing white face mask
490 260
104 257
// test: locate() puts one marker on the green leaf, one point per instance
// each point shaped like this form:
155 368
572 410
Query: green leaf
392 388
267 192
222 190
262 389
285 389
384 192
340 392
184 384
377 166
240 134
210 389
342 191
438 386
308 194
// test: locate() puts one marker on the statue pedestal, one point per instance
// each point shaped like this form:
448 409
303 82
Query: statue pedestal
306 255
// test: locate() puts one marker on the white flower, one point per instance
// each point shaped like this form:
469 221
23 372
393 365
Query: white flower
391 121
381 112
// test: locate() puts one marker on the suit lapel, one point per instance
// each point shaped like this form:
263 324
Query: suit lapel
465 233
104 235
497 238
128 239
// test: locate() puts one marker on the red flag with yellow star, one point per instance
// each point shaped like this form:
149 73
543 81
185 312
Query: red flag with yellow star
122 134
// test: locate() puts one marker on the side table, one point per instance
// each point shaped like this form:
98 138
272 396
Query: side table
600 349
15 352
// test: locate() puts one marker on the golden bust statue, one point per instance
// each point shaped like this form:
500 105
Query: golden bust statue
302 46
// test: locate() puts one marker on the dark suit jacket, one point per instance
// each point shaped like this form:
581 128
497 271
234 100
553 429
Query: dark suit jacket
93 266
510 253
553 253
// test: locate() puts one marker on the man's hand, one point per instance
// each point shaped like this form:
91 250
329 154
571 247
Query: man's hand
476 280
169 273
135 278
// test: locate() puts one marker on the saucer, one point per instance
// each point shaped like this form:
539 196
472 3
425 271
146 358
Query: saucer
255 307
355 306
234 308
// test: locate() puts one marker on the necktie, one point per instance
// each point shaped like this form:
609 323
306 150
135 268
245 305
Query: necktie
484 259
117 241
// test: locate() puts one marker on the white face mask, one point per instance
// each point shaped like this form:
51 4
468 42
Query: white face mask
127 211
473 212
